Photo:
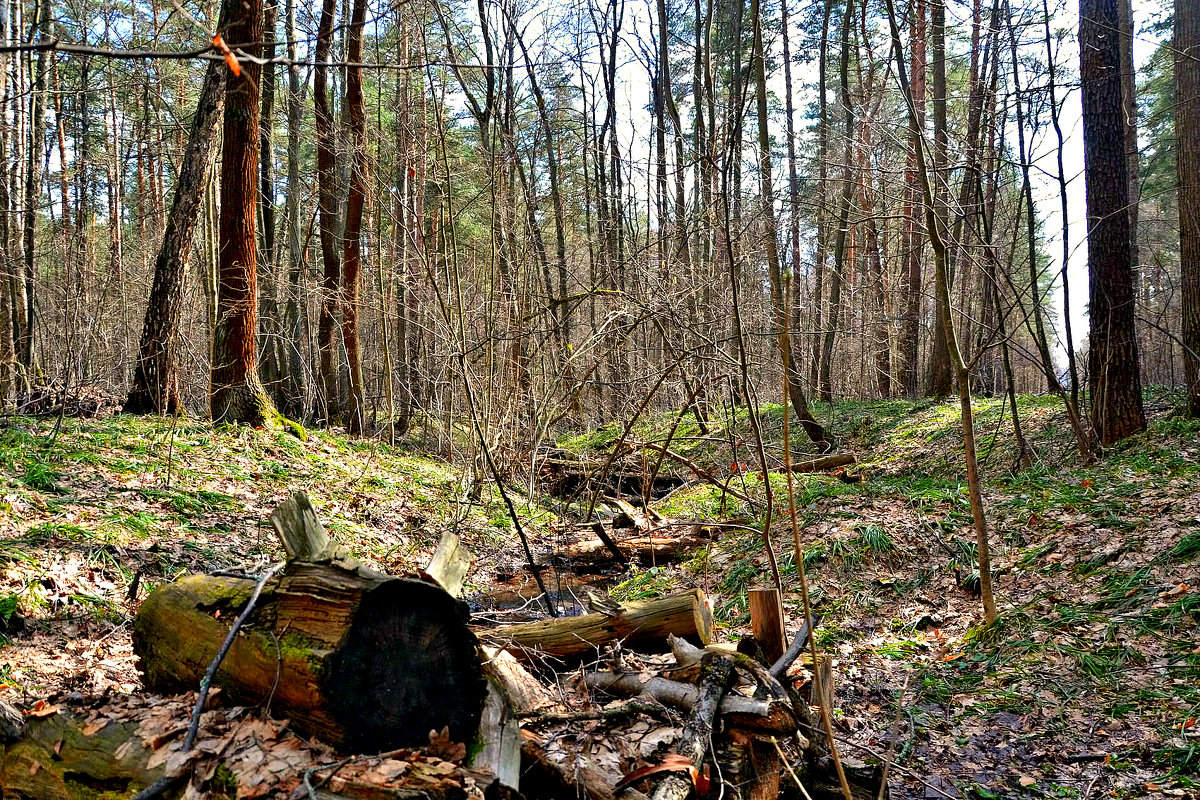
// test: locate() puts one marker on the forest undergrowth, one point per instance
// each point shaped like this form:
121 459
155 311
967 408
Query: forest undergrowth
1087 686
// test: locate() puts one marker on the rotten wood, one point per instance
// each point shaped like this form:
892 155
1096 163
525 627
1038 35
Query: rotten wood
303 536
449 564
683 614
54 752
499 739
12 723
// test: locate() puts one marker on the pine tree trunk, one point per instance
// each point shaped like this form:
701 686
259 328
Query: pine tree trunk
1187 154
293 389
327 410
940 381
913 239
352 244
270 367
1113 371
235 393
43 25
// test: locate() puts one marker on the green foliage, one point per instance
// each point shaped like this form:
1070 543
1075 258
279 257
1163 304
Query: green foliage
40 475
644 584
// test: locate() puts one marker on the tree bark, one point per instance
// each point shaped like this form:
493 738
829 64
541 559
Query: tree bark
43 25
940 381
1130 115
271 342
352 243
913 240
327 410
1113 369
235 393
1187 155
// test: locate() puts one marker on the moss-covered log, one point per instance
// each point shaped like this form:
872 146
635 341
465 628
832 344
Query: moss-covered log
361 660
685 614
117 750
56 760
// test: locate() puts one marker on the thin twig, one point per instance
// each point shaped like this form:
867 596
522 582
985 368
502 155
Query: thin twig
210 673
891 751
788 766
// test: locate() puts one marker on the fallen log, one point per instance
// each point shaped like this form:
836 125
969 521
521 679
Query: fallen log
766 716
684 614
54 759
85 754
648 549
361 660
825 463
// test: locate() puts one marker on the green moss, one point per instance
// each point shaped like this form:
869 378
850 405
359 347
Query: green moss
294 428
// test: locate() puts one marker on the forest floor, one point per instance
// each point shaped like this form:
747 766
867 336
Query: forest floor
1088 686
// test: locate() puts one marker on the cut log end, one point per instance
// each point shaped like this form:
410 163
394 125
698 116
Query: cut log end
365 663
400 674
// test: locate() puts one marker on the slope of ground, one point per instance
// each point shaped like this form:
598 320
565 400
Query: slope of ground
1087 686
95 512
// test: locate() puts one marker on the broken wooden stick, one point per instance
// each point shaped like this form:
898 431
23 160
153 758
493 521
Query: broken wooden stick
449 564
768 716
715 674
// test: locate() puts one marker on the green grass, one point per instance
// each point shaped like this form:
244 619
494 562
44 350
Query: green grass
1188 548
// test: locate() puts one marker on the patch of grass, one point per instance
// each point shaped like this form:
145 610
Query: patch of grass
644 584
66 530
40 475
900 649
140 523
875 539
1125 589
1188 547
1105 662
